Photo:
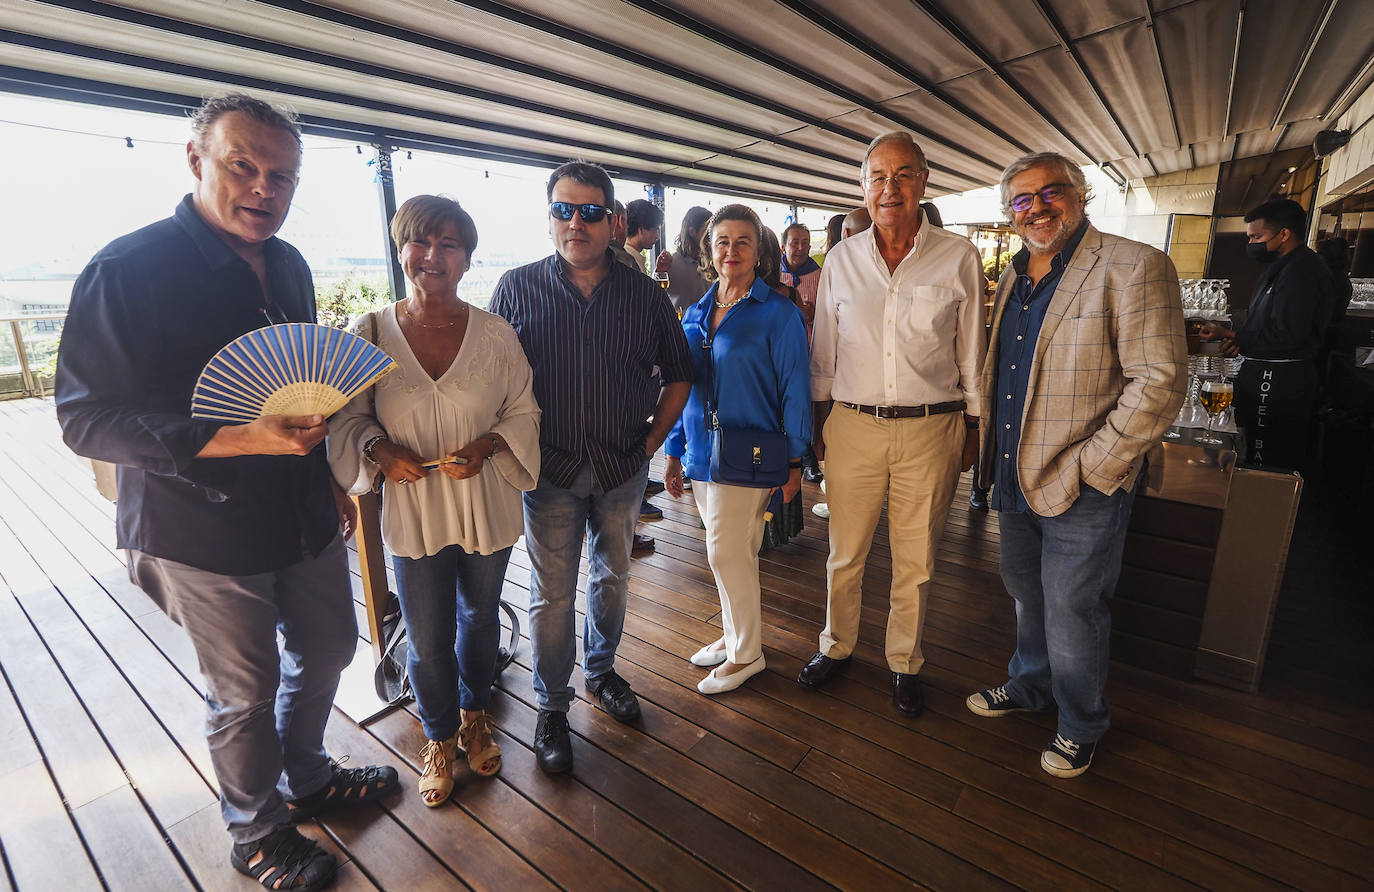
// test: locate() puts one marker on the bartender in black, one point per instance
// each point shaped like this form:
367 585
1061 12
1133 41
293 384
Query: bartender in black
1281 336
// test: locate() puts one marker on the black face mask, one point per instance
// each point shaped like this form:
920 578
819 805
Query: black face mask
1260 253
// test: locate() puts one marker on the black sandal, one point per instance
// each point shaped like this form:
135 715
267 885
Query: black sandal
290 862
347 786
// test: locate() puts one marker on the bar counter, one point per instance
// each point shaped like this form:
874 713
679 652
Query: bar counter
1204 559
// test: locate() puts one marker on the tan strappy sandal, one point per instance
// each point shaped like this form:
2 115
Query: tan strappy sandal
438 757
474 738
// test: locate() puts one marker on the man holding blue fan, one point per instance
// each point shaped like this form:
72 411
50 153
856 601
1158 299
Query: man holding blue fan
232 529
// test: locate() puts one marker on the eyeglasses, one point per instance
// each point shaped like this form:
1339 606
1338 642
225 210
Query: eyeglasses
1048 195
901 179
591 213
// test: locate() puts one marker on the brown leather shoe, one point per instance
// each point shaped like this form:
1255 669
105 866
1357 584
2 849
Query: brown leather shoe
906 695
820 669
642 544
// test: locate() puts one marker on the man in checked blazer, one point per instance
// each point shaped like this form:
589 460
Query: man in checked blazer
1085 370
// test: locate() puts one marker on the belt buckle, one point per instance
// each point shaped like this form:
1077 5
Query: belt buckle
884 412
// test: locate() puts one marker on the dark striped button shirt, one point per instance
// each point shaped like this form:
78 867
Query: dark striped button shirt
599 364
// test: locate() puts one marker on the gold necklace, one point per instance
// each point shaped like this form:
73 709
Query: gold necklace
416 319
731 303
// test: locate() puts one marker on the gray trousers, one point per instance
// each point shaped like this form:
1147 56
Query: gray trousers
266 706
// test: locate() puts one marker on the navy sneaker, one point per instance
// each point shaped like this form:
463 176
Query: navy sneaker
994 702
1065 758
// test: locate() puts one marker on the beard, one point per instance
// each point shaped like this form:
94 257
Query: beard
1050 240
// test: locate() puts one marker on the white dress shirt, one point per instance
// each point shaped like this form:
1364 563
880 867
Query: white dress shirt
906 338
488 387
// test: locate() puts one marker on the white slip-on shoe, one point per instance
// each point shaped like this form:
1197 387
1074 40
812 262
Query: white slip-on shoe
714 684
710 655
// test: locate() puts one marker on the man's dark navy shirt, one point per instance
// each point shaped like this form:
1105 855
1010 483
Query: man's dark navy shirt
147 313
1021 321
599 364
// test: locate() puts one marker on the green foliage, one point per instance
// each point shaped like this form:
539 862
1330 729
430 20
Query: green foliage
340 302
992 268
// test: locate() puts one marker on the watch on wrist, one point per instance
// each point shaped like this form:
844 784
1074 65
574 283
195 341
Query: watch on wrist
370 445
495 443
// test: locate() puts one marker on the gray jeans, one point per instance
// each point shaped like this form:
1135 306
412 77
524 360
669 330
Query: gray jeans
266 707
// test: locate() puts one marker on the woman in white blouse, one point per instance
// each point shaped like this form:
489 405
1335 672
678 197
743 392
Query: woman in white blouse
462 396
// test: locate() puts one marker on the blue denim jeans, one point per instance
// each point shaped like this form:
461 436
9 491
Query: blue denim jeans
555 521
451 602
1061 571
266 706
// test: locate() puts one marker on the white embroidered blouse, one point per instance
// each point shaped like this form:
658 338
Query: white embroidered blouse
489 387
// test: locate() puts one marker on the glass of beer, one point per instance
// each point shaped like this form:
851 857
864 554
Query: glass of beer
1215 395
662 280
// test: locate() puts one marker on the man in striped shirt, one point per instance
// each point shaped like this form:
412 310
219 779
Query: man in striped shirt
608 352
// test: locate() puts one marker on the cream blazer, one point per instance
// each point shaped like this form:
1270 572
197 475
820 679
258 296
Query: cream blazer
1107 377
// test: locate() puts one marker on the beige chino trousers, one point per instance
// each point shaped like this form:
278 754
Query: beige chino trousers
914 462
733 517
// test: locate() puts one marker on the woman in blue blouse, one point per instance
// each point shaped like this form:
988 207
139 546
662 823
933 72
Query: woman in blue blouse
758 341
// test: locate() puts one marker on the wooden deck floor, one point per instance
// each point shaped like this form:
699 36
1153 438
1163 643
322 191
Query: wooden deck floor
107 782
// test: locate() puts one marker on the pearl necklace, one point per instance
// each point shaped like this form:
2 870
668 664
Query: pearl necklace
416 319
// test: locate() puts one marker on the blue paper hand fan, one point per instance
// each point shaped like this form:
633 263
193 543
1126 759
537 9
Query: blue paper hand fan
291 369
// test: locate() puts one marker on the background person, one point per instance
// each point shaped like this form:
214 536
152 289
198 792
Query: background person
686 284
462 389
759 366
233 530
1283 333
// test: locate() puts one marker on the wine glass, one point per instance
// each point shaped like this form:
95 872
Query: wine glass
1215 394
1191 413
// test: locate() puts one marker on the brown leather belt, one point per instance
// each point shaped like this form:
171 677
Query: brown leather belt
907 411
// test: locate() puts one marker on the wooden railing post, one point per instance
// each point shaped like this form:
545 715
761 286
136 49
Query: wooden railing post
372 566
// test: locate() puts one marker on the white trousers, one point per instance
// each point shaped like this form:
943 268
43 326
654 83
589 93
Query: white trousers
733 517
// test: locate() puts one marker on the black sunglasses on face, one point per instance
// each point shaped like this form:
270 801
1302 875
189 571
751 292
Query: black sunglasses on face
1051 193
591 213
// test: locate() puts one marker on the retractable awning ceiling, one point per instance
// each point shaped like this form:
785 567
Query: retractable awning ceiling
769 97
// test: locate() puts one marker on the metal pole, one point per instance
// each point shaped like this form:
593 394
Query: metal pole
657 195
386 194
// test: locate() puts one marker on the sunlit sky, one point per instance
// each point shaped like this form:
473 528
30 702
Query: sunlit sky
76 184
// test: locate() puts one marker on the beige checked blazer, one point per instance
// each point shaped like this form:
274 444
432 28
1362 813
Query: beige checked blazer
1107 377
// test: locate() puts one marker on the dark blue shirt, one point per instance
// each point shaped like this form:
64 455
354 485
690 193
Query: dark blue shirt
599 364
761 374
147 313
1021 321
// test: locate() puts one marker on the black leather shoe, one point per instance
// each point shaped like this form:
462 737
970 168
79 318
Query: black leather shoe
978 500
642 544
820 669
552 742
652 487
906 694
615 695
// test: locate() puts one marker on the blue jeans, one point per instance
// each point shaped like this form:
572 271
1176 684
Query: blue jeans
451 602
1061 571
555 521
266 706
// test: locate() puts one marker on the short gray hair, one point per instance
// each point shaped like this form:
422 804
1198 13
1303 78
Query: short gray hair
216 107
902 136
1073 175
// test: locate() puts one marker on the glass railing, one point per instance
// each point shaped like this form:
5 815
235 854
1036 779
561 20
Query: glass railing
28 353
